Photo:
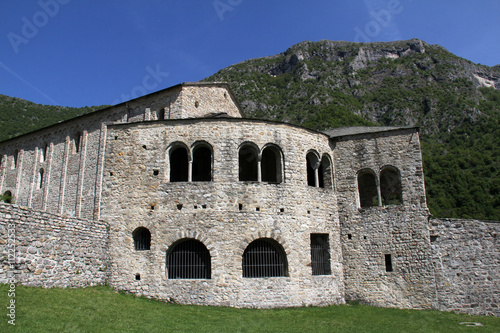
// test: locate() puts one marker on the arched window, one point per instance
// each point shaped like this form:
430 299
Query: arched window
77 143
325 172
202 163
179 164
390 186
271 165
188 259
40 178
44 153
161 114
367 187
16 157
142 239
264 257
248 163
7 197
312 169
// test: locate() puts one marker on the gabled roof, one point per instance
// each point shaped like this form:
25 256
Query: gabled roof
358 130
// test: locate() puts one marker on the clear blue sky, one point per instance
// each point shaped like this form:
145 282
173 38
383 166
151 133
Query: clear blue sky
94 52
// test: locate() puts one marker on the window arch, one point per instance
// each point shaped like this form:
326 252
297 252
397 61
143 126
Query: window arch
312 169
179 163
40 178
44 153
264 257
7 197
202 162
188 259
390 186
248 163
142 239
161 114
15 159
367 187
271 164
325 172
77 142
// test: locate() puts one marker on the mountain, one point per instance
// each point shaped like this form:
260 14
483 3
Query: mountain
328 84
18 116
455 102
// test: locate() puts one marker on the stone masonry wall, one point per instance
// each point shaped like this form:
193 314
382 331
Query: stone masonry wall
466 256
114 165
225 214
59 168
51 250
198 101
369 235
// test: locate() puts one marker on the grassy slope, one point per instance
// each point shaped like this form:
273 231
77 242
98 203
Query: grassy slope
99 309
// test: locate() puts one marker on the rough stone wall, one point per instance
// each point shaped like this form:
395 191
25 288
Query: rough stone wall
114 165
401 231
467 260
198 101
225 214
70 155
51 250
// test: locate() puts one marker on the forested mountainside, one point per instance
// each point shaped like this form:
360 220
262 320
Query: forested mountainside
18 116
455 102
328 84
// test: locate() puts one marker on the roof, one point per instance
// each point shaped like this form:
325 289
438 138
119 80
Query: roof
357 130
107 108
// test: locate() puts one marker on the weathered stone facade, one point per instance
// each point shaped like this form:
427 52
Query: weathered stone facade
371 233
203 206
225 214
466 256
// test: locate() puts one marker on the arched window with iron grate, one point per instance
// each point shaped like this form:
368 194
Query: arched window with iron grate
142 239
264 257
188 259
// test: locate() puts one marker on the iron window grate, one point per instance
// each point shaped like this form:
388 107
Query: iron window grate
262 258
142 239
189 259
320 255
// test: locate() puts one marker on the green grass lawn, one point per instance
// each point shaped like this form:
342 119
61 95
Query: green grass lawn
100 309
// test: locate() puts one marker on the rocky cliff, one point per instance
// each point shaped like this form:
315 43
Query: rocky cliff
455 102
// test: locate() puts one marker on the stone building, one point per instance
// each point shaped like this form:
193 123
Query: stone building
177 196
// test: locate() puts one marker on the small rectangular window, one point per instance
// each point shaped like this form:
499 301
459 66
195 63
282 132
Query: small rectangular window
320 255
388 263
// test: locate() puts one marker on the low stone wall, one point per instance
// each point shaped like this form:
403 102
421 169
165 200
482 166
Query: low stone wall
467 260
43 249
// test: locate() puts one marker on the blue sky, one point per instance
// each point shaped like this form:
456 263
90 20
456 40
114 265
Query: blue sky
94 52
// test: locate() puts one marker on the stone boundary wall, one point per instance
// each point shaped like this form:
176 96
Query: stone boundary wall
466 256
51 250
